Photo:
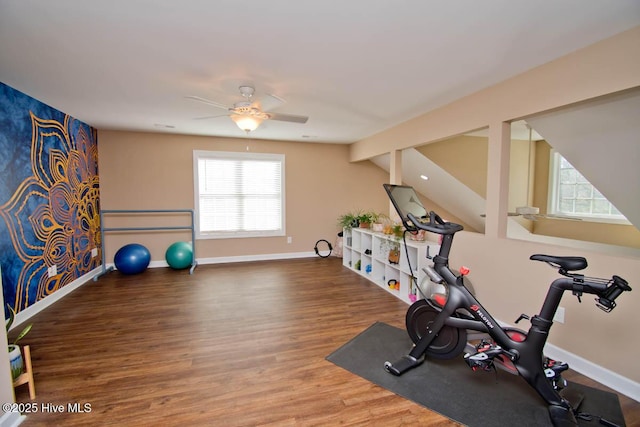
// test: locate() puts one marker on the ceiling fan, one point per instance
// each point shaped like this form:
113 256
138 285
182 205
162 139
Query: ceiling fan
248 114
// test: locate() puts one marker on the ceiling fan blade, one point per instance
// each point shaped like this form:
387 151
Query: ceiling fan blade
288 118
210 117
508 214
270 102
207 101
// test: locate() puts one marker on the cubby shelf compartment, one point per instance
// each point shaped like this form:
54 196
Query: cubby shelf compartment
364 247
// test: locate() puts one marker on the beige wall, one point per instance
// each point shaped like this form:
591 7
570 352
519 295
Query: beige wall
508 284
464 157
505 280
155 171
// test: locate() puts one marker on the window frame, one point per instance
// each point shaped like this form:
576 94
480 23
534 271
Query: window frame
554 190
238 156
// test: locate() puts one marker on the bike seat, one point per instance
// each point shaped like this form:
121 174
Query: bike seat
567 263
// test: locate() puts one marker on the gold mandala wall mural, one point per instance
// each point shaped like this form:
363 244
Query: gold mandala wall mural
50 199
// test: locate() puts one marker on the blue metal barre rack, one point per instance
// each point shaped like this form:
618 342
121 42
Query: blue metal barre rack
106 270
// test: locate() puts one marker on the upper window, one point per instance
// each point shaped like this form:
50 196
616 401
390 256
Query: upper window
238 194
572 195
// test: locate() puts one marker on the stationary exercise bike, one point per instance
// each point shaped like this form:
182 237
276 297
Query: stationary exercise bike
439 324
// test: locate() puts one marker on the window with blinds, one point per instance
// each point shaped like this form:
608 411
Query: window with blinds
239 194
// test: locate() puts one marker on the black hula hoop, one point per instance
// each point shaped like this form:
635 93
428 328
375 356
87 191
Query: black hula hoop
318 251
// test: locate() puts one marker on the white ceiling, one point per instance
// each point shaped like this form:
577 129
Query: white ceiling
354 67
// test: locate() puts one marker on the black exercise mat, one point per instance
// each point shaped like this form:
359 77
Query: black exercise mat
452 389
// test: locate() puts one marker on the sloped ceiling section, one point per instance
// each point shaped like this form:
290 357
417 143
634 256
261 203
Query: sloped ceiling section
441 187
602 140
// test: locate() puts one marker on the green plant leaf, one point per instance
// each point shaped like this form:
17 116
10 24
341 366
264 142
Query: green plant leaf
24 332
12 315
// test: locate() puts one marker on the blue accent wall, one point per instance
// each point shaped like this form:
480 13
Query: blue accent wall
49 198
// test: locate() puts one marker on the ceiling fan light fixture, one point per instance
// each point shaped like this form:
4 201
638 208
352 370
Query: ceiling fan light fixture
246 123
248 115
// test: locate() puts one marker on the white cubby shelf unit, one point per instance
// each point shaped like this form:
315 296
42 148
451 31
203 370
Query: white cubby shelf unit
367 253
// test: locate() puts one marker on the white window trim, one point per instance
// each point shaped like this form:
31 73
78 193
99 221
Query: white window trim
552 201
199 154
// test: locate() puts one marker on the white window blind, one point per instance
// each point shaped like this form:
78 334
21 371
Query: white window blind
239 194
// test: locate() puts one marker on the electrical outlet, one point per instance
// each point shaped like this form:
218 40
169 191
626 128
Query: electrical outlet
559 317
52 271
289 239
94 252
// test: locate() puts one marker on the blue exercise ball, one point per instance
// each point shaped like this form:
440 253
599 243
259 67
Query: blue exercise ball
132 259
179 255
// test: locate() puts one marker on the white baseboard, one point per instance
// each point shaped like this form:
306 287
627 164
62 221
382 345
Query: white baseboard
11 419
260 257
596 372
589 369
231 259
36 308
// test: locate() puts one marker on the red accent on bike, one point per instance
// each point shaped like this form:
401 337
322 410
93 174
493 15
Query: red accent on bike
440 299
516 336
474 307
464 270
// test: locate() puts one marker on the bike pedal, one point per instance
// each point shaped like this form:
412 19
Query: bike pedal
401 366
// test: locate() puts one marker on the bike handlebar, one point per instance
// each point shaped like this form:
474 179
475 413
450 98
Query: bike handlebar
435 224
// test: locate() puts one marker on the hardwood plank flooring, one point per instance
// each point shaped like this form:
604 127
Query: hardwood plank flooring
231 345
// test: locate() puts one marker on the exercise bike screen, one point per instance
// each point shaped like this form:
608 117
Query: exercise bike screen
405 200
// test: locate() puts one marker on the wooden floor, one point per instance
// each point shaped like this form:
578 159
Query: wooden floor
231 345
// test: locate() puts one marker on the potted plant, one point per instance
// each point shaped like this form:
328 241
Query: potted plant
15 355
348 220
394 229
365 219
379 222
